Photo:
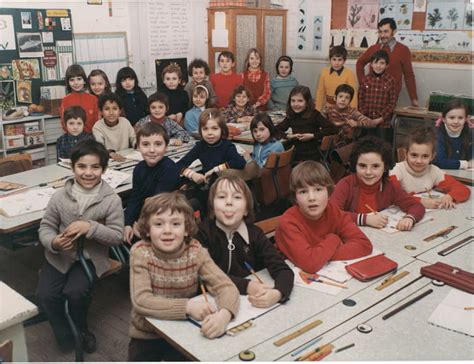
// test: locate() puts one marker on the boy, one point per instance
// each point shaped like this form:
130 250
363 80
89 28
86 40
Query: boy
332 77
74 118
113 130
226 81
177 97
199 71
86 207
155 174
315 231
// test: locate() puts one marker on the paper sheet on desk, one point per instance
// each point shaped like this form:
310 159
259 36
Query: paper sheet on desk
434 195
320 287
25 202
115 178
394 215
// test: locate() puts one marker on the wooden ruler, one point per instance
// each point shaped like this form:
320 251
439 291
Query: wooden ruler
392 279
297 333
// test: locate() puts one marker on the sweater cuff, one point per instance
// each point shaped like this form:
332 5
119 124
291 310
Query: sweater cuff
361 219
409 216
463 164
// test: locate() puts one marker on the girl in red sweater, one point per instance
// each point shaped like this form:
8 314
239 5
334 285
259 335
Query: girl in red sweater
315 230
256 80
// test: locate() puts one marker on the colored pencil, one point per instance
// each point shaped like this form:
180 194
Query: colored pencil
249 267
371 209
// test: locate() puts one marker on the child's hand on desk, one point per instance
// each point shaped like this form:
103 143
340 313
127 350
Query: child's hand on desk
215 324
176 142
446 202
267 299
62 242
117 157
430 203
245 119
404 224
77 229
378 221
199 310
255 288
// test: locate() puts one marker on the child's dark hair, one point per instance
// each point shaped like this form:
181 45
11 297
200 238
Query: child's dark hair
249 53
109 97
198 63
159 97
422 135
338 51
123 74
371 144
87 147
345 88
74 112
389 21
238 90
172 68
381 54
202 90
465 136
108 87
172 201
226 54
306 93
75 70
309 173
284 59
149 129
213 113
266 120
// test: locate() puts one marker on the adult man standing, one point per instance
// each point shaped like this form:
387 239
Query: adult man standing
400 59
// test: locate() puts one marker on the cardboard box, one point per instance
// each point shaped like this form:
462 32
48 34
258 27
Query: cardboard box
14 129
34 138
14 141
32 126
51 107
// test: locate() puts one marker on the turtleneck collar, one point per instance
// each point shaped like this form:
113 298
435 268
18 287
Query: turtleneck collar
372 188
451 134
413 172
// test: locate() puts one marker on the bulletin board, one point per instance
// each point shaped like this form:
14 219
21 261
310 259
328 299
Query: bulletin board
35 50
434 30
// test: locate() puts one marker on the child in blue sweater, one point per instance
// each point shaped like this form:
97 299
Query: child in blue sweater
200 98
282 84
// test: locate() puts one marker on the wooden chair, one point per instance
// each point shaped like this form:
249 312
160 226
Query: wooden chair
325 149
6 351
15 164
401 154
269 225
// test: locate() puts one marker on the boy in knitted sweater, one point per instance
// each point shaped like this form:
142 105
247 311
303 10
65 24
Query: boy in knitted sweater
164 270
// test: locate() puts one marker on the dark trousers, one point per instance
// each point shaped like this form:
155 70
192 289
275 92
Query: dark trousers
55 287
153 350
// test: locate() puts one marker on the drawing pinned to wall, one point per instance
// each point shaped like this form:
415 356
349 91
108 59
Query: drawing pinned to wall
39 16
7 33
445 15
419 6
26 22
7 95
48 37
30 45
468 17
302 26
24 91
435 40
6 72
400 10
317 33
25 69
362 14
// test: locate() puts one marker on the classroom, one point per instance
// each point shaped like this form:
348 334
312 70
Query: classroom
240 180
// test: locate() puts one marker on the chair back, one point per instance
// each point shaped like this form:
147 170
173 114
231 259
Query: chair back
15 164
401 154
269 225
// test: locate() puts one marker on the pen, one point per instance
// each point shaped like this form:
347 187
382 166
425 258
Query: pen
249 267
319 280
405 305
371 209
344 348
203 290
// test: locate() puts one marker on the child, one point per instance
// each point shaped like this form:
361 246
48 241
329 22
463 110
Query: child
225 82
76 85
113 130
99 83
333 76
370 189
256 80
132 96
177 97
282 84
233 241
315 231
200 98
74 116
155 174
240 110
86 207
164 270
454 139
307 124
158 106
417 175
199 71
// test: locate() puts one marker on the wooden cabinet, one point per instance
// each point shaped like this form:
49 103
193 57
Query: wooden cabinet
264 29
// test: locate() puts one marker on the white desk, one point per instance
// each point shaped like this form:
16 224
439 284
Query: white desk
463 175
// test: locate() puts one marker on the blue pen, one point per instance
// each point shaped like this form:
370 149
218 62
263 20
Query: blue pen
314 341
249 267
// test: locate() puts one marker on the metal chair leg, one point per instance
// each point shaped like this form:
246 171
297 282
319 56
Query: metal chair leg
75 333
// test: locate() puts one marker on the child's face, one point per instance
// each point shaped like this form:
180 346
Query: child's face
76 83
97 84
370 168
152 148
455 120
284 68
75 126
241 99
158 109
88 171
230 206
171 80
198 74
343 100
254 61
225 64
379 66
211 132
111 113
261 133
312 200
199 100
128 84
167 231
419 156
337 62
298 103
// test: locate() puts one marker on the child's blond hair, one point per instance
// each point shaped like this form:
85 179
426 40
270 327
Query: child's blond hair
309 173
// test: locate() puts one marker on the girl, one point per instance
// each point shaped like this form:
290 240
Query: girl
454 144
76 85
99 83
233 242
133 97
307 124
369 189
416 174
200 99
164 270
282 84
256 80
240 109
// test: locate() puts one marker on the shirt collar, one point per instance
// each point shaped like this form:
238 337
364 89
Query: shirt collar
390 44
241 229
337 71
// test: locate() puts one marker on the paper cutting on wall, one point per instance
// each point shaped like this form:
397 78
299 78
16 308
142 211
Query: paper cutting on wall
362 14
317 33
400 10
354 38
7 33
445 15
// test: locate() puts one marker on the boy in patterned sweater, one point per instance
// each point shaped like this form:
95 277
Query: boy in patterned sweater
74 118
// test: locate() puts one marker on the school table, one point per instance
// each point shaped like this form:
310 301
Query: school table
465 176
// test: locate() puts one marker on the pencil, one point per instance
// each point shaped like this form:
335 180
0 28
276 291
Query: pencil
371 209
203 290
319 280
429 193
469 308
249 267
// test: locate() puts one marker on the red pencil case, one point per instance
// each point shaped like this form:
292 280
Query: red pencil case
450 275
370 268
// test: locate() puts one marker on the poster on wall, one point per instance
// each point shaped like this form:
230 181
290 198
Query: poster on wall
48 37
26 22
400 10
457 41
25 69
444 15
7 33
362 14
7 90
30 45
6 72
24 91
